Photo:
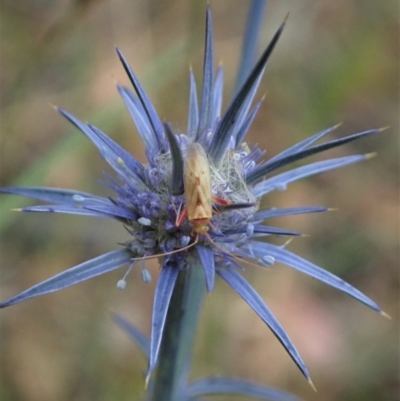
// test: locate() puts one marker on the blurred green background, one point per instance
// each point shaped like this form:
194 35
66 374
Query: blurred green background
336 61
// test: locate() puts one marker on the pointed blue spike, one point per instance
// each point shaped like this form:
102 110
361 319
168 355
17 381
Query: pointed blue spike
177 162
140 119
113 212
162 297
92 268
281 181
247 292
244 109
208 79
207 259
218 95
290 259
125 157
84 128
193 120
222 136
268 214
244 127
262 229
303 144
268 166
235 386
250 41
147 105
56 195
112 154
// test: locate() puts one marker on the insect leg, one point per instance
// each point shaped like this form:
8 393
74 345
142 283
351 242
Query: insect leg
181 216
220 201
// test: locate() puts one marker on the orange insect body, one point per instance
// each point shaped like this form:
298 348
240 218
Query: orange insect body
197 183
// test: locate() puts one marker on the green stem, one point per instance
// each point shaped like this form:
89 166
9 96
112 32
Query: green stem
178 336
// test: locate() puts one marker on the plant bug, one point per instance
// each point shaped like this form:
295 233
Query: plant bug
197 187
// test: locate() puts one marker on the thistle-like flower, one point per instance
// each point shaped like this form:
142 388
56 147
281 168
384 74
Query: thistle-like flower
161 203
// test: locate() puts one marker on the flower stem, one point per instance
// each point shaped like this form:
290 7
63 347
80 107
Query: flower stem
178 335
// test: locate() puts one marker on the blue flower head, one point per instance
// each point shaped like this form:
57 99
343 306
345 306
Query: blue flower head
153 201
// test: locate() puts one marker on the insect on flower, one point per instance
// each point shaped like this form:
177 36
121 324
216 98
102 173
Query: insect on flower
197 185
209 173
199 207
199 199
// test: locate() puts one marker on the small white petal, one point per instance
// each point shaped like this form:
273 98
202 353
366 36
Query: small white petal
121 284
78 198
146 276
144 221
268 260
250 230
184 240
